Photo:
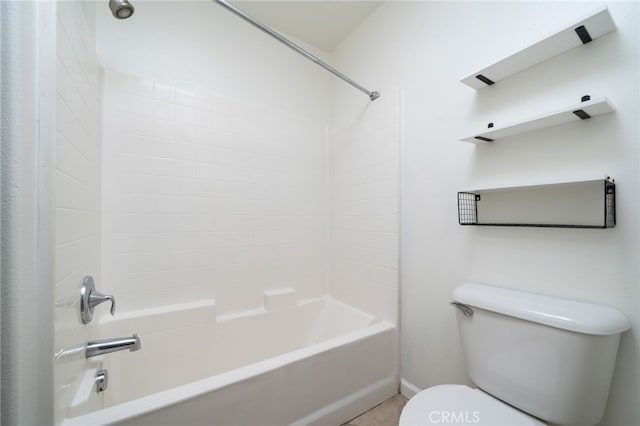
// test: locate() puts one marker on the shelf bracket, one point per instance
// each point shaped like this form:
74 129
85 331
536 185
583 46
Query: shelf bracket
581 114
584 35
484 79
482 138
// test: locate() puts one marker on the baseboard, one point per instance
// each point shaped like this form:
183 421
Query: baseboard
353 405
407 389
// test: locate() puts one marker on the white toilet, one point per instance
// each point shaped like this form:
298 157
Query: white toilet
534 358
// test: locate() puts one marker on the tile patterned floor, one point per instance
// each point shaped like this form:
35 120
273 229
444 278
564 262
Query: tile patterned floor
385 414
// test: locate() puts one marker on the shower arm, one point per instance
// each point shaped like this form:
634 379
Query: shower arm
224 3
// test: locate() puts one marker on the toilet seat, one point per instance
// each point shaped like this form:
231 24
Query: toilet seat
461 405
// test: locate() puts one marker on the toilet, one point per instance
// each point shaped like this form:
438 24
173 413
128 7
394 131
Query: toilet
534 359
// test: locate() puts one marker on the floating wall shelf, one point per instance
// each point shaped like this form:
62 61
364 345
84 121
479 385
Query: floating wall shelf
581 111
596 24
588 203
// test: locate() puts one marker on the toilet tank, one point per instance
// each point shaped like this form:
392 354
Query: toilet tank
550 357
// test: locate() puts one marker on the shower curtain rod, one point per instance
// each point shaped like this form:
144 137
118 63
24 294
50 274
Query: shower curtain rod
224 3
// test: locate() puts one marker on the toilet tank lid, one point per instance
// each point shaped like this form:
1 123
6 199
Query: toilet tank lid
580 317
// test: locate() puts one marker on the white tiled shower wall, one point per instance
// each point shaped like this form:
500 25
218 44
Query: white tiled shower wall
256 69
365 202
168 192
206 197
77 188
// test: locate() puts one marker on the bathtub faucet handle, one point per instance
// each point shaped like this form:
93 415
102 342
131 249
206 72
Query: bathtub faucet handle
96 298
90 298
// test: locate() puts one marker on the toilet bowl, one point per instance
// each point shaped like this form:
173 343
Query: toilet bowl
461 405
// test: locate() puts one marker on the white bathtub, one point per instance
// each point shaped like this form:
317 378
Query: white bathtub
319 362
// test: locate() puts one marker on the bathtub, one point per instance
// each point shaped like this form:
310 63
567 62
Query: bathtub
314 362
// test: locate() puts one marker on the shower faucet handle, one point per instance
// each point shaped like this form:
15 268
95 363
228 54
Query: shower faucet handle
96 298
90 298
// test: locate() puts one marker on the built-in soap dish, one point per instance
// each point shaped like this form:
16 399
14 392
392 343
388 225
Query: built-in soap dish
279 298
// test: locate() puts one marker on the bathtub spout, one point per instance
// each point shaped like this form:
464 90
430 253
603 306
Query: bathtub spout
99 347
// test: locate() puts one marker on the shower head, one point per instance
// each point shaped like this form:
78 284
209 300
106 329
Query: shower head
121 9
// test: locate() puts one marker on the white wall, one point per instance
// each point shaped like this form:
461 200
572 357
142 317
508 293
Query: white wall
77 190
364 163
214 160
27 132
277 195
199 41
206 197
425 48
